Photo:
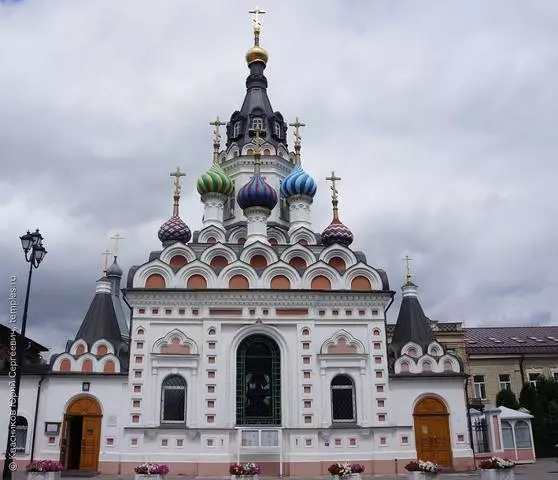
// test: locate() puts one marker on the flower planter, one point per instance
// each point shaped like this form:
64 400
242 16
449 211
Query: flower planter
497 474
43 475
354 476
151 476
422 476
245 477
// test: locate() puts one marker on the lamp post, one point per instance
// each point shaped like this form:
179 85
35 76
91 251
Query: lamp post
32 244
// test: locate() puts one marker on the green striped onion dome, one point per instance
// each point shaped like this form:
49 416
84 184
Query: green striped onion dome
215 180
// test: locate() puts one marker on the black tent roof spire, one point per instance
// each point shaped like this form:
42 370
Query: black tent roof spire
256 110
412 324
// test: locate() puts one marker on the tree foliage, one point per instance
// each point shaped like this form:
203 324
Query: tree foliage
506 398
542 403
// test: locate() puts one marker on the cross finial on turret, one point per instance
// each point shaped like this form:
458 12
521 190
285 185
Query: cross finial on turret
116 239
257 24
177 176
106 254
216 138
177 188
334 192
297 124
407 261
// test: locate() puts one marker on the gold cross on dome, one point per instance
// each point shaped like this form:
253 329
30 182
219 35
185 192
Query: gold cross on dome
297 124
216 135
407 261
177 176
106 254
256 19
333 179
116 239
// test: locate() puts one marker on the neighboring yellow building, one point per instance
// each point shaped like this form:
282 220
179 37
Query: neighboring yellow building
508 357
497 358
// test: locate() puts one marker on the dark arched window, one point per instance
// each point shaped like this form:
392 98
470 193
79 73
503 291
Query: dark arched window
173 399
258 381
343 406
21 434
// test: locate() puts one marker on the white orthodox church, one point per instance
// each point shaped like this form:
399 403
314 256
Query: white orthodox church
252 339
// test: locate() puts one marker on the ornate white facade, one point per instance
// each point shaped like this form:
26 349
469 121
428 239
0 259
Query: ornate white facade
256 341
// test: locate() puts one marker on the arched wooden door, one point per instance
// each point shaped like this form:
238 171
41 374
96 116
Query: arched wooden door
432 433
81 434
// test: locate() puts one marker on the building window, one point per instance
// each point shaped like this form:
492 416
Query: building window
507 435
277 129
533 377
257 124
236 129
21 434
342 399
173 399
258 381
480 387
522 434
505 381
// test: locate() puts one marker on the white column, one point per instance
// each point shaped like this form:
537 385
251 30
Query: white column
299 212
213 206
257 224
155 390
326 419
193 400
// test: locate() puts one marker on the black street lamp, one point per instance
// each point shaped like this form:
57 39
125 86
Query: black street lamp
32 244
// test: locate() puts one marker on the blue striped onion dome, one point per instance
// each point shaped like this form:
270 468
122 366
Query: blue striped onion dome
298 182
215 180
337 233
257 193
174 230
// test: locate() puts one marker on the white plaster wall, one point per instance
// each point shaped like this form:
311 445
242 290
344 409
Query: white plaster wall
405 393
26 408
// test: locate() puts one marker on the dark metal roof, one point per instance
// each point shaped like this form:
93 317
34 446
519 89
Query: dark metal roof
100 321
31 344
412 325
512 340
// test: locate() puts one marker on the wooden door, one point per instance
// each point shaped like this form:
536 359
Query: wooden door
433 439
432 432
90 442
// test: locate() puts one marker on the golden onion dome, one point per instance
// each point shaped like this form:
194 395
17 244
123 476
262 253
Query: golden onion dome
256 54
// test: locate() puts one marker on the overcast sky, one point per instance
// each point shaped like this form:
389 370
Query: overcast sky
439 116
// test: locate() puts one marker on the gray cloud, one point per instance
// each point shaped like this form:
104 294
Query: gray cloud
438 116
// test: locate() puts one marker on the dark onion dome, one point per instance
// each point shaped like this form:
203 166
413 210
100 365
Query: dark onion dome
257 193
114 269
174 230
337 233
298 182
215 180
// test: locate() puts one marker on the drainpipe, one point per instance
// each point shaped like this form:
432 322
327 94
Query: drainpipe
129 330
521 370
469 423
35 417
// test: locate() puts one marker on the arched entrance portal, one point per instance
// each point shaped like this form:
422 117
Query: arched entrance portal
432 433
258 381
81 434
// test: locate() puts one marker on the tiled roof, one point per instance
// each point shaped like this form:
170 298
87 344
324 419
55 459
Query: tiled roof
509 340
